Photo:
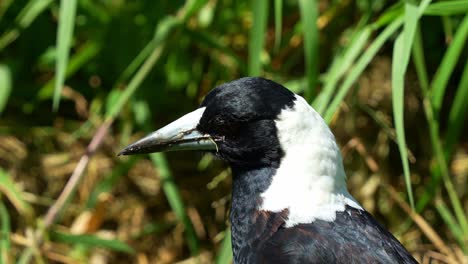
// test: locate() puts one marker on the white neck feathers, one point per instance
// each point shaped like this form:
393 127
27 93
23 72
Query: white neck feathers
310 182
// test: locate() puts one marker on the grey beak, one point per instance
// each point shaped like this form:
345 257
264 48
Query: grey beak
181 134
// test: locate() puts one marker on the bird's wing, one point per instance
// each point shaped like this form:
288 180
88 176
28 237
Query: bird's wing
354 237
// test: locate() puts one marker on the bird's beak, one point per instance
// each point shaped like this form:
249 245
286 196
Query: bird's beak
181 134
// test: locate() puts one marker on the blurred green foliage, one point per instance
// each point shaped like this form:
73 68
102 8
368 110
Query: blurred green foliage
75 72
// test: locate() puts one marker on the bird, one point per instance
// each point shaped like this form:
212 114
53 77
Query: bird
290 202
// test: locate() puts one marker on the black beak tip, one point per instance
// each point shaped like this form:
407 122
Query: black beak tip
136 148
126 151
122 153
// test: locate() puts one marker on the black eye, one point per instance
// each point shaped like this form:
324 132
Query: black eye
219 121
225 127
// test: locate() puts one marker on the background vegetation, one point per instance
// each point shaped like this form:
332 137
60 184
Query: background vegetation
80 79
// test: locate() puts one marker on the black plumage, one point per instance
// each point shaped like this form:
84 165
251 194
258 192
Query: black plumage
243 112
261 237
354 237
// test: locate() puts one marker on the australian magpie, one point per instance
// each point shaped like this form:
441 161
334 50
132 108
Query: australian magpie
290 203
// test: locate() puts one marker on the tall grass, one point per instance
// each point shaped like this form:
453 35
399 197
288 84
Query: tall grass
129 64
64 38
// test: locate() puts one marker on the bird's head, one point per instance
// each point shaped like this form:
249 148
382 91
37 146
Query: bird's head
236 121
256 124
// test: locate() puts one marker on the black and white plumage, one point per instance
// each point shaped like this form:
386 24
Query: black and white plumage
290 203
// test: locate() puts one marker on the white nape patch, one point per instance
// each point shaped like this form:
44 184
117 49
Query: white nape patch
310 180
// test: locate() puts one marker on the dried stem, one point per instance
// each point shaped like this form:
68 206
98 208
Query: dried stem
428 231
76 176
54 211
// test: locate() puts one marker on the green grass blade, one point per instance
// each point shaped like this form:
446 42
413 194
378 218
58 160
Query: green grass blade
339 68
447 8
445 70
225 252
400 60
77 61
397 100
26 16
165 27
111 180
457 115
389 15
175 200
154 229
191 7
136 62
29 13
212 42
9 189
278 23
26 256
64 40
452 193
5 243
4 5
359 67
447 24
450 222
95 10
5 84
257 36
438 84
309 16
420 66
135 82
169 186
92 241
419 61
441 170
